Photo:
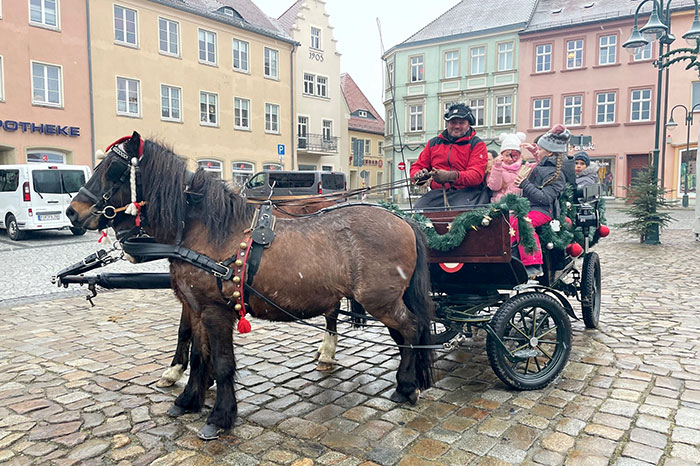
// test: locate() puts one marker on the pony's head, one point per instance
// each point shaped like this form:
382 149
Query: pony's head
100 201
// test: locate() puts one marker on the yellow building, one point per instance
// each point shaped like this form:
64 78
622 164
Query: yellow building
215 85
365 153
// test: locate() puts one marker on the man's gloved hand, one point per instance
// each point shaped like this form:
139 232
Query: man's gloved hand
444 176
421 176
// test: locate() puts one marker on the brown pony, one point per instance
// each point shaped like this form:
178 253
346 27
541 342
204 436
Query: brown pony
358 251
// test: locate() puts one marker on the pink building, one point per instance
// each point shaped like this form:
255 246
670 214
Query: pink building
573 69
44 83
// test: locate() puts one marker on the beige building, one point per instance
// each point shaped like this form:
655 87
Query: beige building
365 153
320 113
212 79
44 98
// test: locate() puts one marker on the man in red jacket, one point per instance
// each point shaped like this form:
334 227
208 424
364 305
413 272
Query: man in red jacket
456 160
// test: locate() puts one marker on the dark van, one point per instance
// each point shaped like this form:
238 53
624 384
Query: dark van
284 184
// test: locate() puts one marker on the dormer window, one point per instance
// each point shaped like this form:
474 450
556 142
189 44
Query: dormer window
228 11
362 113
589 5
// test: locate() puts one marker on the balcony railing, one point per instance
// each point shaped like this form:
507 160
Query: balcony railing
318 143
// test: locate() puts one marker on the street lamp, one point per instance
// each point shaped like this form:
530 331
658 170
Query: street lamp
688 123
659 27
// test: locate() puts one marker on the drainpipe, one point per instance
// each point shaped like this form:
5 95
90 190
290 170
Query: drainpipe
92 106
291 100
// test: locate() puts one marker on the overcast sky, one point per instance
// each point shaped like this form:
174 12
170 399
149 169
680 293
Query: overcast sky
355 29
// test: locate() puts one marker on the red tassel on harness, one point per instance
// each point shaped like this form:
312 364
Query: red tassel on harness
138 215
243 324
103 235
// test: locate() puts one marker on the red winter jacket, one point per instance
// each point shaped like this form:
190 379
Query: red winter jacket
465 156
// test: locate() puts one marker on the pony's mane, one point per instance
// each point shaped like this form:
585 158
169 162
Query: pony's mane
214 203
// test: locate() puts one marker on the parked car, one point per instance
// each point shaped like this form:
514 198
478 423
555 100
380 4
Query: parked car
285 184
35 196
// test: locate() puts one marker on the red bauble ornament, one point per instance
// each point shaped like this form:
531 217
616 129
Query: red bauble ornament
568 220
574 250
603 231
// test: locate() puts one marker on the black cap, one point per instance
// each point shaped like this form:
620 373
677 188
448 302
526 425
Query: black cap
457 111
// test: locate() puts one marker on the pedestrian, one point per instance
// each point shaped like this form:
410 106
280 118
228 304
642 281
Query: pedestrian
542 187
501 178
586 171
454 162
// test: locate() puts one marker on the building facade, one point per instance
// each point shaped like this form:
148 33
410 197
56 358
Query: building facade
453 59
44 102
365 153
319 113
210 79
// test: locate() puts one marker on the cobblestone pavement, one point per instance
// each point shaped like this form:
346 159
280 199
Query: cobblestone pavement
77 385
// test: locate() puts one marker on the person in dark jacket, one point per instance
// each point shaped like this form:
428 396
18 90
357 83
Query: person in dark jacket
456 161
586 171
542 187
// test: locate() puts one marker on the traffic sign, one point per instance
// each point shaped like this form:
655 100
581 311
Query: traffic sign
401 165
280 149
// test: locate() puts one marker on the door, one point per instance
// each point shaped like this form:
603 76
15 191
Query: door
635 163
302 132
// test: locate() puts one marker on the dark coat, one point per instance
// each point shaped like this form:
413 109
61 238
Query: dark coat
588 175
544 199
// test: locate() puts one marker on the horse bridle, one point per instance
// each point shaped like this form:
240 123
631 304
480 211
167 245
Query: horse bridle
118 172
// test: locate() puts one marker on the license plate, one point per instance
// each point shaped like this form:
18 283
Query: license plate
48 217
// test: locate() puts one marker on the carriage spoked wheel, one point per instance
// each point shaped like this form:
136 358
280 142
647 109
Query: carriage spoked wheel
535 341
590 290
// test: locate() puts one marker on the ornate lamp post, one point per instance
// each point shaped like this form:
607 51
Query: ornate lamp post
659 27
688 124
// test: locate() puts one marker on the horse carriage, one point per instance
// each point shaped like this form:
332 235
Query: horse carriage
427 297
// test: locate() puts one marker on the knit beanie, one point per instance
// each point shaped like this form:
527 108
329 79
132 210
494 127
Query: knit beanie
556 139
511 141
582 156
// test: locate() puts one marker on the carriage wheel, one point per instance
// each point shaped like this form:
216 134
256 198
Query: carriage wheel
590 290
536 331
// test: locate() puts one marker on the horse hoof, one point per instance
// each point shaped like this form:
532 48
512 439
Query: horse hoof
209 432
398 397
317 355
414 396
163 383
171 375
176 411
324 366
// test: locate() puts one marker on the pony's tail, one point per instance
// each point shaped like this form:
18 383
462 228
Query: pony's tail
417 299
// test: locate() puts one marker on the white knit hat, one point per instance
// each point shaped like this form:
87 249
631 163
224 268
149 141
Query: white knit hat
511 141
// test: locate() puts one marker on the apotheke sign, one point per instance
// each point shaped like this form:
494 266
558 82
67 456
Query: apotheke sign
43 128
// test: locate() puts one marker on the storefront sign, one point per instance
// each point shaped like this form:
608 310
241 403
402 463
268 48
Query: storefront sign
43 128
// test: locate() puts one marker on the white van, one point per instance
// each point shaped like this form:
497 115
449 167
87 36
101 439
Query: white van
35 196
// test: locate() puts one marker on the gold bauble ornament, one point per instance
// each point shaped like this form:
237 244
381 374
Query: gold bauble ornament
238 307
238 262
236 294
236 279
243 245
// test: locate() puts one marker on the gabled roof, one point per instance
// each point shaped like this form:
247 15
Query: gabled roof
471 17
357 100
554 14
254 19
287 18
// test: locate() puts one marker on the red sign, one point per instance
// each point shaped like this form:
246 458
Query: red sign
381 163
402 165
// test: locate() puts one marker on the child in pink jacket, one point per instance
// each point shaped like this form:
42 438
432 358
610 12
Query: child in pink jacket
501 178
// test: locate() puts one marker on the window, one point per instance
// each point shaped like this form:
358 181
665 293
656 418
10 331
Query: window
379 148
44 156
543 58
477 108
168 37
327 130
417 69
46 84
271 63
127 97
695 95
43 12
504 110
368 146
505 56
302 131
445 107
389 75
207 47
2 79
478 55
208 109
540 113
309 80
362 113
574 54
452 64
9 180
643 53
321 88
415 114
315 38
390 121
641 105
241 171
211 166
124 25
240 55
170 103
572 110
272 118
241 113
605 108
608 50
271 166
